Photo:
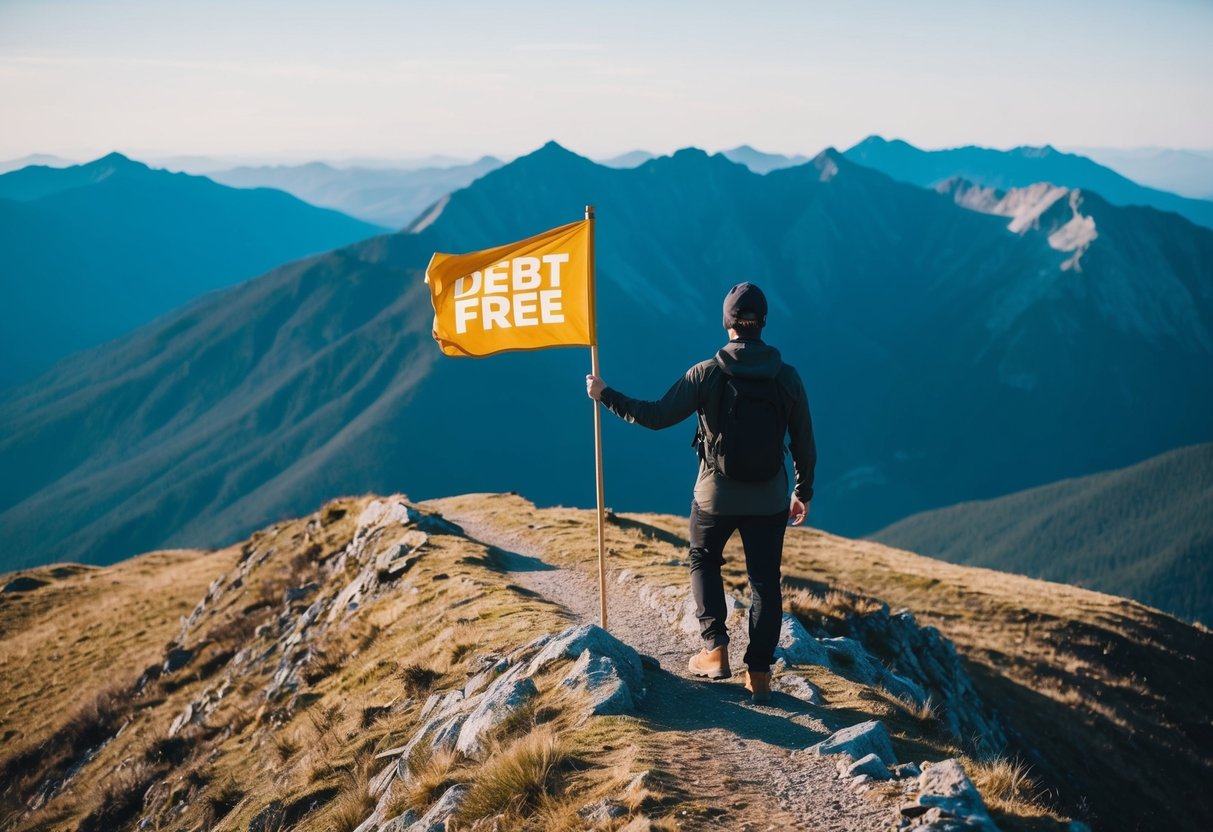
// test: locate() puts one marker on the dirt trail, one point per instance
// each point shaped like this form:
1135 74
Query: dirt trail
737 760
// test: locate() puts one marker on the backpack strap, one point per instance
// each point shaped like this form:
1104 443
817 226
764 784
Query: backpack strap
712 393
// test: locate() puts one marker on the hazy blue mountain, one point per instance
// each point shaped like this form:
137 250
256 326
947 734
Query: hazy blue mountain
1016 169
1184 172
1144 532
946 356
388 197
760 162
45 159
631 159
90 252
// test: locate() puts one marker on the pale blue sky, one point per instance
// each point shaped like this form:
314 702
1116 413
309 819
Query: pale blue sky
397 79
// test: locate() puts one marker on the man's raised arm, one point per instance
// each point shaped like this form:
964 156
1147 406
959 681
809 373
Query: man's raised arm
679 402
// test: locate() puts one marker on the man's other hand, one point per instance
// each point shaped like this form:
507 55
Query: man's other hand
594 386
798 511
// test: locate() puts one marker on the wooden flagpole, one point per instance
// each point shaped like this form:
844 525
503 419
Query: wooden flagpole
602 582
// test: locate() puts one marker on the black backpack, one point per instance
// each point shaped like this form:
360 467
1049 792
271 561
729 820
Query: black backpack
751 421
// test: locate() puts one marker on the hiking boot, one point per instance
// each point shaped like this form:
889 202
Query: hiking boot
711 663
759 685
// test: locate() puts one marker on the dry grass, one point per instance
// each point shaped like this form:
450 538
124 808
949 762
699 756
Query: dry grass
431 777
418 679
220 802
517 780
1007 786
354 803
833 605
122 798
922 711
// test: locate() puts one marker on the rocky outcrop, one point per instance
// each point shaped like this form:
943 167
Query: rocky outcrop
948 802
923 657
500 701
858 741
606 670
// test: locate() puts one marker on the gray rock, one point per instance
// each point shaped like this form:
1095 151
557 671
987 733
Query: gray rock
906 770
798 687
571 642
854 660
439 731
858 741
400 823
871 765
435 820
447 734
796 646
501 700
384 514
399 557
599 677
602 811
946 787
379 783
481 679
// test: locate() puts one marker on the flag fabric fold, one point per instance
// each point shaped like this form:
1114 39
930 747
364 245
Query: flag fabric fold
528 295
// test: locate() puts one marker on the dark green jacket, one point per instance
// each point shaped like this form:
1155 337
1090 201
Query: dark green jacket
698 391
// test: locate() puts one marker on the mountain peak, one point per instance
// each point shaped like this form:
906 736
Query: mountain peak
828 163
551 153
878 142
116 160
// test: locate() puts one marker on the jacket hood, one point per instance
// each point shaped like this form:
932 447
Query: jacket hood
750 358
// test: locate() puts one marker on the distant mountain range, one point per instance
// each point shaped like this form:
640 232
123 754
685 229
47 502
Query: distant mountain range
1184 172
1019 168
760 162
89 252
389 197
631 159
947 357
755 160
1145 532
44 159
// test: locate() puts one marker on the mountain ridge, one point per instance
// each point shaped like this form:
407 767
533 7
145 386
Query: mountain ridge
314 367
90 252
1140 532
1019 167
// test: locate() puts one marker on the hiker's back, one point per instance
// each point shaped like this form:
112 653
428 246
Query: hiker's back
742 425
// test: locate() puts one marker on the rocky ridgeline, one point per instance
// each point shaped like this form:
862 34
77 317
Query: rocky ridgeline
389 539
879 649
593 670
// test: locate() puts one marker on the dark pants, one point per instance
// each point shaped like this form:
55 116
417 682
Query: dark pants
762 538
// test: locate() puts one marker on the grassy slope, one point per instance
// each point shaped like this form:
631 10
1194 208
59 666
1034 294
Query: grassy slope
1055 657
1144 532
90 627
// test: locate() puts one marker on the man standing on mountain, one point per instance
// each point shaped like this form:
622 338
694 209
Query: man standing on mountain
747 399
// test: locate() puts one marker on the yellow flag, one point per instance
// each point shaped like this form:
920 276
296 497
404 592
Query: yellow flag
527 295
